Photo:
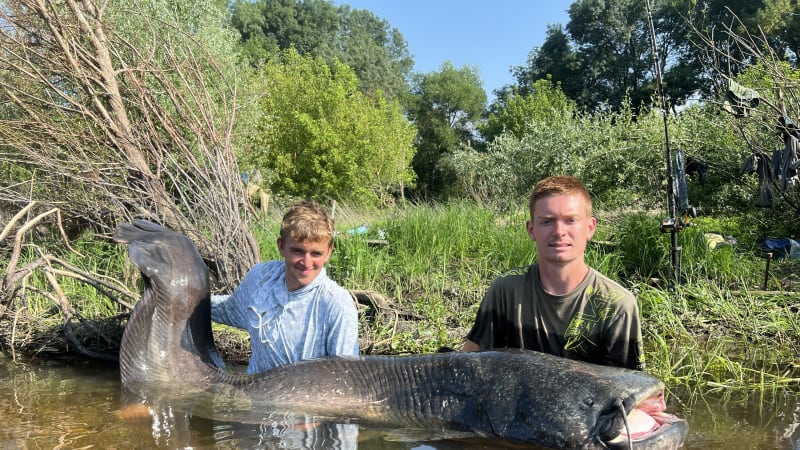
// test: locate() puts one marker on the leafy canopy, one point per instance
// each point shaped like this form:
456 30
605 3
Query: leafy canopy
446 107
319 137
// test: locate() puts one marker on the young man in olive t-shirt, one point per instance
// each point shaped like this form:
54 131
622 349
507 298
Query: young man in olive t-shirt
560 305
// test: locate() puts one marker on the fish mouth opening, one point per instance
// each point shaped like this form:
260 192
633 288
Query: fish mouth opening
642 426
649 422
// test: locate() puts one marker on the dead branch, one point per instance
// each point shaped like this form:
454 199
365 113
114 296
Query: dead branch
53 268
14 275
122 123
732 47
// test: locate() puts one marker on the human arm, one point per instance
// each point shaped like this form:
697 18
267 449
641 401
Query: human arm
232 309
218 308
342 336
470 346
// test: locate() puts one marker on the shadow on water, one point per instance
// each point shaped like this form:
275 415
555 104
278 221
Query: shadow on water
53 405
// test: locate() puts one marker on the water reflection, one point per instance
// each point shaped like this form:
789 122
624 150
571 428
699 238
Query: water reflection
50 405
742 420
166 427
55 406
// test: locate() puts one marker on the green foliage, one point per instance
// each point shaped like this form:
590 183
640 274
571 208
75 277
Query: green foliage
377 53
619 155
603 56
611 153
438 263
626 154
644 250
779 18
205 21
708 339
546 103
514 164
425 237
736 266
318 137
268 26
554 60
446 107
707 134
105 259
604 60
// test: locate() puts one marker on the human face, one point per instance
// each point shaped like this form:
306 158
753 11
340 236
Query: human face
304 260
561 227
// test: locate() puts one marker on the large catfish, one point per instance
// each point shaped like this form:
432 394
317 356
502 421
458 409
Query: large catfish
168 350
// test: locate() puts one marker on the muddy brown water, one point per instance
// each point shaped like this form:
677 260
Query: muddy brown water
55 405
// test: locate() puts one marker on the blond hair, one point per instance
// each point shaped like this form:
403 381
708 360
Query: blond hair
307 221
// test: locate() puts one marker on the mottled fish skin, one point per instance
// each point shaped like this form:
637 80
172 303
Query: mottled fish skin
168 351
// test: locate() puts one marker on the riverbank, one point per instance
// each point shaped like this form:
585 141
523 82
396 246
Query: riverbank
419 273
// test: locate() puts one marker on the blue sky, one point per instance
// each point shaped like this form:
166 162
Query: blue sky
490 35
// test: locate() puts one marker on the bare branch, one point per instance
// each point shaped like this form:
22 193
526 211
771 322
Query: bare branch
118 124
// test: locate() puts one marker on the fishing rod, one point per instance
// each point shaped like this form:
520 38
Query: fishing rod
673 224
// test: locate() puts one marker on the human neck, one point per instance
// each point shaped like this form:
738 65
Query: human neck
562 279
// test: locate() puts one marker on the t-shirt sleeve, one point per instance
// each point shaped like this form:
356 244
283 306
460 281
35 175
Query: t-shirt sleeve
230 309
482 331
343 326
623 346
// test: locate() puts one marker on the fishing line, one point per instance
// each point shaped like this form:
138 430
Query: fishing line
618 404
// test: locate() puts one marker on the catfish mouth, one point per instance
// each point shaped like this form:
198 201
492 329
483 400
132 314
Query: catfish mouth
648 425
669 432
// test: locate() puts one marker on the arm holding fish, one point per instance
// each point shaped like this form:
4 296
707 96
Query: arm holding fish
234 309
225 308
342 324
219 303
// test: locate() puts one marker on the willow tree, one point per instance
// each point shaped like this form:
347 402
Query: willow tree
319 137
112 113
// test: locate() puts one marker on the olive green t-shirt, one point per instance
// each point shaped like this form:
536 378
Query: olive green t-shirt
597 322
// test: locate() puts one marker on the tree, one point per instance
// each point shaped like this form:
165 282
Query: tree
555 60
780 19
320 137
687 63
602 58
614 50
110 124
376 52
544 103
446 106
268 26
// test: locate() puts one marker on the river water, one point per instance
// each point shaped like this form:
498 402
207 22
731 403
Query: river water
55 405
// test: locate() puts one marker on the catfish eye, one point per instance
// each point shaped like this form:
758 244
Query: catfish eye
588 401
